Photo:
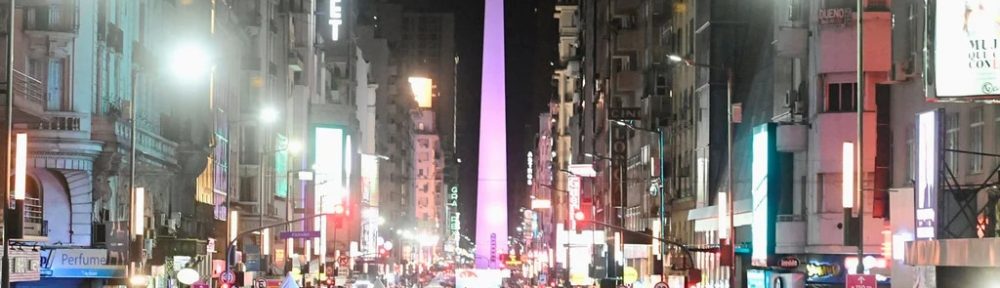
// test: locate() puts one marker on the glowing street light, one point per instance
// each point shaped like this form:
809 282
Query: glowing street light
269 115
189 61
294 147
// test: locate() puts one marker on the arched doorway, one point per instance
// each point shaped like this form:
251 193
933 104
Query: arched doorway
49 189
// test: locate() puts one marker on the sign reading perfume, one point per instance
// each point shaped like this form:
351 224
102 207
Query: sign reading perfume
964 45
928 155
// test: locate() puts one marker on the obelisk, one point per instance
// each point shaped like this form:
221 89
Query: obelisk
491 205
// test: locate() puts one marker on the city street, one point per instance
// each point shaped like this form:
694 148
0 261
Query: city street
500 143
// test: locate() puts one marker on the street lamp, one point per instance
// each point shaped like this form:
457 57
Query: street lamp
729 157
189 60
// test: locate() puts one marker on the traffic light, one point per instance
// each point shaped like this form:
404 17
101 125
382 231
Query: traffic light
339 213
383 253
578 218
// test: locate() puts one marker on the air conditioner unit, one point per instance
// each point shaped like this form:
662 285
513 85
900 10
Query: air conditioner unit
164 220
799 107
902 71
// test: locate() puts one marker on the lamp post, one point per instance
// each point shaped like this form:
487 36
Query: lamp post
729 158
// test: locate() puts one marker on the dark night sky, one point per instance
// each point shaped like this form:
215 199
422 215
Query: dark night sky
530 41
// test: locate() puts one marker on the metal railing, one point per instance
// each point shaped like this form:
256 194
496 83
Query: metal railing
27 88
62 121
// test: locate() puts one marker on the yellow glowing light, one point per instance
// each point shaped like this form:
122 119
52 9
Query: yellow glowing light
422 90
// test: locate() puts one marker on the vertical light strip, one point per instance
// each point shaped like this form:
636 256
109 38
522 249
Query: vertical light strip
847 180
139 210
266 241
491 201
308 252
234 223
20 165
723 215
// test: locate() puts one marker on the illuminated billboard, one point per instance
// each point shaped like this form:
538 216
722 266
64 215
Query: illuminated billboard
962 47
281 166
423 90
328 163
926 185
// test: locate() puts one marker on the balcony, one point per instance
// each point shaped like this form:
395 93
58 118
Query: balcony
154 146
29 97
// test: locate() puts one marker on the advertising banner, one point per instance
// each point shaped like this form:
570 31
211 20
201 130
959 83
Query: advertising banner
963 47
929 153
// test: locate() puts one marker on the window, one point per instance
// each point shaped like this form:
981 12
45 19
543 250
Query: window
951 140
840 97
54 94
621 63
976 140
795 12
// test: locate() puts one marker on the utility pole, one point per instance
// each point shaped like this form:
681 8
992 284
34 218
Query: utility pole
859 179
9 127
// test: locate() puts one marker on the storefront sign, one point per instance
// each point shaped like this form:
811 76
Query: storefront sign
78 263
861 281
835 15
963 46
789 262
619 160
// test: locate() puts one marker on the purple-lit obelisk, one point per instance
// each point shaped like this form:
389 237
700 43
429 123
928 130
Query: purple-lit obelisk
491 205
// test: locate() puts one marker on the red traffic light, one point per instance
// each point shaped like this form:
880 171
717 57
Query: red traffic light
579 215
382 252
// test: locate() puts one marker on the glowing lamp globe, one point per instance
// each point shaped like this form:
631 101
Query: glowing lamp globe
187 276
579 216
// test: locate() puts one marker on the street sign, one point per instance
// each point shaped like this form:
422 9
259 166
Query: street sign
343 261
861 281
261 283
661 285
298 234
210 247
228 277
631 113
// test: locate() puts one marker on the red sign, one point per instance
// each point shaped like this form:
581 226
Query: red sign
861 281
